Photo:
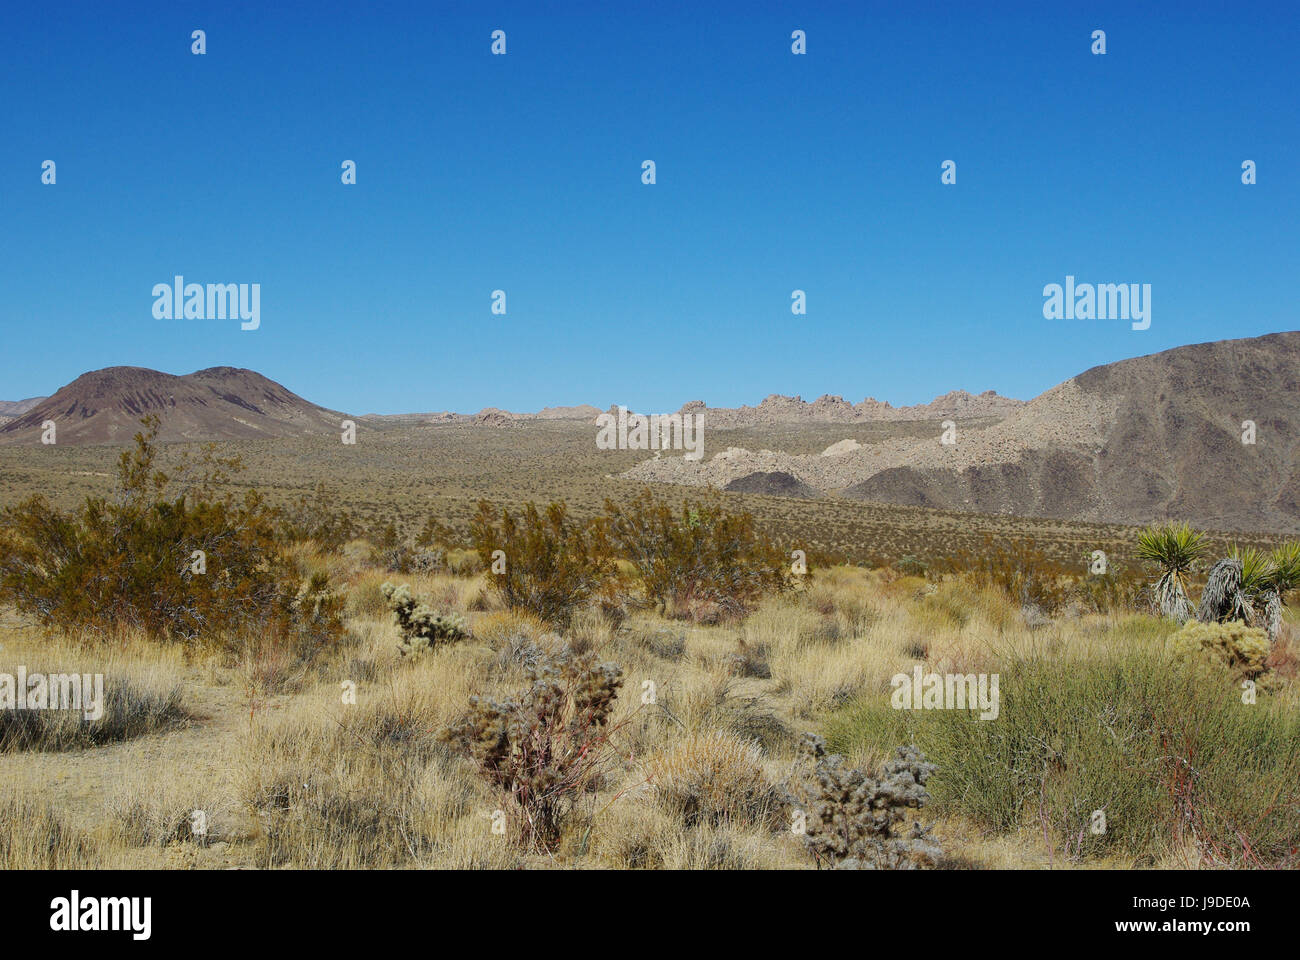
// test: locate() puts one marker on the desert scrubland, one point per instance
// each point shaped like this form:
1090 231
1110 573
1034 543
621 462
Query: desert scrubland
648 678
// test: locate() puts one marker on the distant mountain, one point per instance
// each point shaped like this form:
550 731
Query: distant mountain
832 409
1145 439
16 408
491 416
219 403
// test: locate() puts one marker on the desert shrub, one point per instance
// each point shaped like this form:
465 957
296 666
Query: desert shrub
153 822
698 562
463 563
344 791
518 654
166 556
421 627
389 550
950 606
325 819
365 598
1284 658
548 746
427 561
303 625
1169 759
34 836
131 708
1017 568
313 518
1110 592
712 778
552 563
725 847
663 643
750 660
851 818
910 566
751 719
1241 650
436 537
632 836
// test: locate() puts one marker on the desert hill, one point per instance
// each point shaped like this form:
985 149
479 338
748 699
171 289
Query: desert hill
491 416
772 485
1142 439
219 403
16 408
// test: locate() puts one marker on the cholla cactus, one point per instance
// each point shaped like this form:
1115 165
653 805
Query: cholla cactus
547 747
1242 650
422 627
315 613
851 817
315 599
427 561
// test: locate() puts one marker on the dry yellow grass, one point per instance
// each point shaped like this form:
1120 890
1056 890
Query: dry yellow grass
344 769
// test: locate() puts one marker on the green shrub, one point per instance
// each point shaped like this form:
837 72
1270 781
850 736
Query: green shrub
1168 757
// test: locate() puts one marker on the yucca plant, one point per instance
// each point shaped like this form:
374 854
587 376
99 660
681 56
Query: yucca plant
1221 598
1256 570
1286 566
1284 577
1248 585
1175 549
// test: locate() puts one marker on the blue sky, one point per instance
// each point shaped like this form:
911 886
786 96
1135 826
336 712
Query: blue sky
522 172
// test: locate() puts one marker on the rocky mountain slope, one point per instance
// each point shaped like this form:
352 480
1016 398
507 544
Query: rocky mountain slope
832 409
1153 437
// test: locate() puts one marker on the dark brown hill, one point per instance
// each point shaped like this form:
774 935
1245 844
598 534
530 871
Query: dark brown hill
219 403
772 484
1164 440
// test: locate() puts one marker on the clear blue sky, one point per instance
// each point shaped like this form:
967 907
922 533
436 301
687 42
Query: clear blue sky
775 172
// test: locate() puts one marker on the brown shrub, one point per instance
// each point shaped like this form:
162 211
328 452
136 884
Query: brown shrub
698 562
551 564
